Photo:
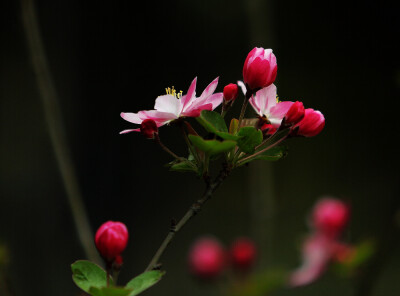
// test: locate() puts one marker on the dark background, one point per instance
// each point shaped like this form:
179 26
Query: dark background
106 57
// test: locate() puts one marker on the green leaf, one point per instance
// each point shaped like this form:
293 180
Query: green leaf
86 274
272 154
110 291
212 121
183 166
211 147
227 136
250 138
144 281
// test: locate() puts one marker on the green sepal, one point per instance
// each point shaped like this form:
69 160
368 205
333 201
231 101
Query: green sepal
250 138
184 165
86 274
144 281
110 291
212 147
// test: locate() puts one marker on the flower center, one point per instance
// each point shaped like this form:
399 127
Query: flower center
172 92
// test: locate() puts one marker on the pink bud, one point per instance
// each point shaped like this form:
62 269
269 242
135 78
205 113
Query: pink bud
243 253
295 113
111 239
268 129
206 258
148 128
260 68
312 123
230 92
330 216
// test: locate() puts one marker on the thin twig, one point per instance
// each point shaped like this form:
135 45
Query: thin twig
58 138
193 210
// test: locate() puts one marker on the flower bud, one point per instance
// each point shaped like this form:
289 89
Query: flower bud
243 253
295 113
312 123
111 239
230 92
268 129
148 128
259 69
206 258
330 216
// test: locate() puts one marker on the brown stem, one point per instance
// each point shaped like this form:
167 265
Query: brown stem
165 148
193 210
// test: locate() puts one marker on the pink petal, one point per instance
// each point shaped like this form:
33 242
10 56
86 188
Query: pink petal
131 117
242 86
168 104
215 100
279 111
130 130
209 89
264 100
160 118
191 93
195 112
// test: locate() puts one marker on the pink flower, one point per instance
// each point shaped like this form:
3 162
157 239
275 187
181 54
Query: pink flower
330 216
207 258
230 92
260 68
111 239
312 123
265 103
173 106
295 113
243 253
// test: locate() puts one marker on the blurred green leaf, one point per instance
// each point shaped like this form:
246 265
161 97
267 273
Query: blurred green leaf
212 147
109 291
272 154
182 166
250 138
233 126
212 121
86 274
144 281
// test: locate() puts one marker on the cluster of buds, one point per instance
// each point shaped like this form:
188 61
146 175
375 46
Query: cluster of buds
328 220
208 258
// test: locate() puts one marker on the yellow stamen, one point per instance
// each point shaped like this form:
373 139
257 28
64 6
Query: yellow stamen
172 92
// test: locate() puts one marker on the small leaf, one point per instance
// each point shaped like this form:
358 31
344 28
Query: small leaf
86 274
110 291
272 154
144 281
184 166
212 147
227 136
250 138
212 121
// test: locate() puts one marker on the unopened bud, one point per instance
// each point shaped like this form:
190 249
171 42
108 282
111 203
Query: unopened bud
295 113
243 254
148 128
111 239
230 92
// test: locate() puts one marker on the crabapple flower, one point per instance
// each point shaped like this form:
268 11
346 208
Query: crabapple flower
312 123
295 113
243 253
111 239
173 106
148 128
230 92
207 258
330 216
265 103
260 68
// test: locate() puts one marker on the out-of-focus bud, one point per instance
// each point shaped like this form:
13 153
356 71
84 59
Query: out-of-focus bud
207 258
295 113
311 125
243 254
148 128
111 239
230 92
330 216
259 69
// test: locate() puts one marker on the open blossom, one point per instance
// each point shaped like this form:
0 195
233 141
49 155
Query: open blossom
260 68
172 106
265 103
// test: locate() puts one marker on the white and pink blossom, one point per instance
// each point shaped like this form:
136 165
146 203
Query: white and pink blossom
173 106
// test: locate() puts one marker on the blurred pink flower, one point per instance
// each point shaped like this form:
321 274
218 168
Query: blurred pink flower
173 106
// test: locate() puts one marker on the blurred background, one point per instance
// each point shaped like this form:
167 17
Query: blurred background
339 57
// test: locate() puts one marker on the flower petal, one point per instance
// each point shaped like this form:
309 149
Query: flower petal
209 90
168 104
160 118
131 117
264 100
130 130
215 100
190 96
242 86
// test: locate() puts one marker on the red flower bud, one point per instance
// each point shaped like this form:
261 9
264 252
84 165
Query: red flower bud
111 239
230 92
243 253
312 123
268 129
260 68
330 216
295 113
148 128
206 258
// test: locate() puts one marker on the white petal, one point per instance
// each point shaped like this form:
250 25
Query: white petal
168 103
